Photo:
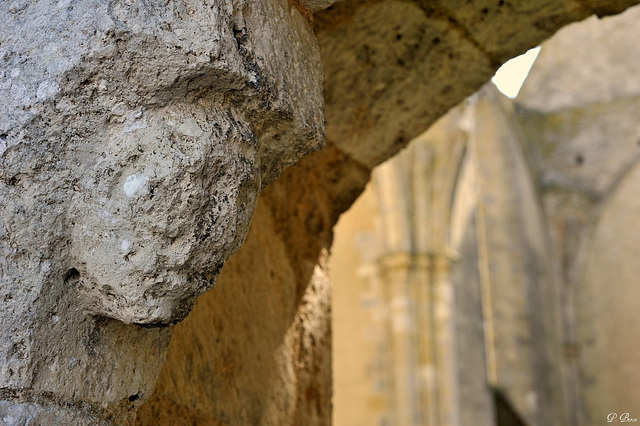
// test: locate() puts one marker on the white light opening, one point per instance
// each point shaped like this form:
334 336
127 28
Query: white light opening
511 75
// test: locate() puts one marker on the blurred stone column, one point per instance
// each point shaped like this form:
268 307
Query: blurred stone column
443 339
420 298
396 275
415 193
520 297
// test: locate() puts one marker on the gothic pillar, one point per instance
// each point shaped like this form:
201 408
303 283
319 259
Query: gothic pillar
420 298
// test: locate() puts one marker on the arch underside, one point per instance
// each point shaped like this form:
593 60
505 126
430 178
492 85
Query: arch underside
137 137
259 345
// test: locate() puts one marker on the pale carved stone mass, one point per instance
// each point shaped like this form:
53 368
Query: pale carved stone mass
136 136
533 201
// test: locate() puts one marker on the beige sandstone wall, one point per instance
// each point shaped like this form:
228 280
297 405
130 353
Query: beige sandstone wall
135 139
359 318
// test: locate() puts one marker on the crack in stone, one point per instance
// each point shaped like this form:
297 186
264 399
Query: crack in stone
440 14
49 399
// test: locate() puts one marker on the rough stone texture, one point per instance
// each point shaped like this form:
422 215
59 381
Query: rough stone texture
393 67
391 71
256 350
315 5
12 414
136 135
135 138
186 113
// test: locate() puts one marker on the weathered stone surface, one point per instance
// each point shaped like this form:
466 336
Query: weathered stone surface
315 5
257 349
581 56
136 135
186 113
24 414
135 138
391 70
488 24
393 67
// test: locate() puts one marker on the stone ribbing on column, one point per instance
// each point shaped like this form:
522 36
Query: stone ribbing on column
137 135
423 372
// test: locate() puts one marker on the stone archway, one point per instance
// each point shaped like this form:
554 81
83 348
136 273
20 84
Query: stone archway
544 235
391 69
309 196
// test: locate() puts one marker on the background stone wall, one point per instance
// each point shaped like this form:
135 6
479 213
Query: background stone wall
135 137
540 214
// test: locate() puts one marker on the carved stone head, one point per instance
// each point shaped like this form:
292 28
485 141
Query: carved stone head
152 127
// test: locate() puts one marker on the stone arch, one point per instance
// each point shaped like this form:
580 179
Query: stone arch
557 120
269 77
309 196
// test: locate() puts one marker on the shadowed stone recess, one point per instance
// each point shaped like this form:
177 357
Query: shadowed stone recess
136 136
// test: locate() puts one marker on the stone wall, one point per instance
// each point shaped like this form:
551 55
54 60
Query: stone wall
135 137
459 282
537 211
583 143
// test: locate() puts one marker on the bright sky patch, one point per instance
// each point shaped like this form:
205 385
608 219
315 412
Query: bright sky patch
511 76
